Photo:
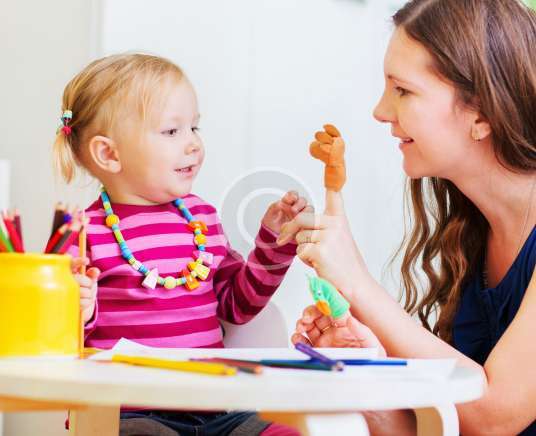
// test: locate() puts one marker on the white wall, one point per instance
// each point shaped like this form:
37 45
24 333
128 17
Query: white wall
42 44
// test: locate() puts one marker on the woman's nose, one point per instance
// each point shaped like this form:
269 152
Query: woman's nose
383 112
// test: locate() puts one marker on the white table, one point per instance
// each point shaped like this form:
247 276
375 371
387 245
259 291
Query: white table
93 392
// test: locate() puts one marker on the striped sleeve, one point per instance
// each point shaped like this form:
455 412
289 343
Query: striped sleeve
244 288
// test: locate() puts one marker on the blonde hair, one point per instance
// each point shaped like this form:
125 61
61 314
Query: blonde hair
104 89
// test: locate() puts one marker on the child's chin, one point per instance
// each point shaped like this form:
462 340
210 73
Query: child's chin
182 191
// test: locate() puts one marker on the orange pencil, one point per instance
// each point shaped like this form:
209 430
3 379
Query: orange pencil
82 238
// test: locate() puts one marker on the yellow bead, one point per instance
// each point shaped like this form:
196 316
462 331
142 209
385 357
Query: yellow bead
201 271
200 239
111 220
170 282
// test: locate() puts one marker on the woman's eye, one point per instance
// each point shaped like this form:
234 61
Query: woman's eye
401 91
195 129
170 132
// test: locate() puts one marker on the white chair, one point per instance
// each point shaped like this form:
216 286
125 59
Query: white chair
267 330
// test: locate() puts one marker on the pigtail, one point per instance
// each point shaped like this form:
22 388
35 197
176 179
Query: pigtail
64 159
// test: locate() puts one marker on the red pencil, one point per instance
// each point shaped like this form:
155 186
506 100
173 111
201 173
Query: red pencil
63 246
18 227
12 232
56 237
59 214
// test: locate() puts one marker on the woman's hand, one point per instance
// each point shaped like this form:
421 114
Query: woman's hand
325 243
88 286
322 331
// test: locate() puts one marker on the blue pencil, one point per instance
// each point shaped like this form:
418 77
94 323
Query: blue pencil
348 362
374 362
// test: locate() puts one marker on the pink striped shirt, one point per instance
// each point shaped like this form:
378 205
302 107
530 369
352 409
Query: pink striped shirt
158 236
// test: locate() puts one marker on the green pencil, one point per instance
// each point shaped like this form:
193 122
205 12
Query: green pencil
3 237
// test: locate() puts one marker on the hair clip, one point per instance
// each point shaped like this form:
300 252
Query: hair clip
65 118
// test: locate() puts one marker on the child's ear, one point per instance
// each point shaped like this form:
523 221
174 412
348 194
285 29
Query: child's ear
480 128
104 153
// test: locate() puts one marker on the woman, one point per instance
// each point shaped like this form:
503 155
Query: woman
460 95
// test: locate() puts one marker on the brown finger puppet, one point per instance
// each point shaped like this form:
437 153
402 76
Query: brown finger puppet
329 148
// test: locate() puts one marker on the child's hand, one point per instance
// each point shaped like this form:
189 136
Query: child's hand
284 210
88 286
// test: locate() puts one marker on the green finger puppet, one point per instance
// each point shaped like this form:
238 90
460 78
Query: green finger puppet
328 299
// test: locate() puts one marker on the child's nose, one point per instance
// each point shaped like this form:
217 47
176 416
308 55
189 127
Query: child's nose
193 147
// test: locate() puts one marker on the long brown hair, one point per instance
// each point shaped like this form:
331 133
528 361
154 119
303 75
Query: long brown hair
487 50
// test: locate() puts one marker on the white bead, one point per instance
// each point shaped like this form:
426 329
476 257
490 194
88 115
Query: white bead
206 257
150 279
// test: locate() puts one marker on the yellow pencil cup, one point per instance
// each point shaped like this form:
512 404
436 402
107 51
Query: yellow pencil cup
39 306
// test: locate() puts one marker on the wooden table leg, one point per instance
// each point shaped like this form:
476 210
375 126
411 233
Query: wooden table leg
321 424
94 421
440 420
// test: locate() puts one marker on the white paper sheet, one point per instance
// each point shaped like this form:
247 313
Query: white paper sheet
125 346
415 369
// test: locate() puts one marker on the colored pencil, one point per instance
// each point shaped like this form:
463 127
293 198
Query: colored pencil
348 362
58 220
12 233
304 364
82 238
68 239
375 362
61 241
199 367
241 365
4 237
309 351
56 237
18 227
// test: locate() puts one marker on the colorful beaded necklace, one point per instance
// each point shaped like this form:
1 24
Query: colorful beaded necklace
195 270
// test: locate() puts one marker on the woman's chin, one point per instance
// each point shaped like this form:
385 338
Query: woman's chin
412 171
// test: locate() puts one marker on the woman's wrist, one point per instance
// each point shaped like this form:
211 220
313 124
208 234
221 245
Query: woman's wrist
359 283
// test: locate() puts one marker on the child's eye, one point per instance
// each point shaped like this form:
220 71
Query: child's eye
401 91
170 132
195 129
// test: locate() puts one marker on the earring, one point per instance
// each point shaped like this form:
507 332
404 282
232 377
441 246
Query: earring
475 137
